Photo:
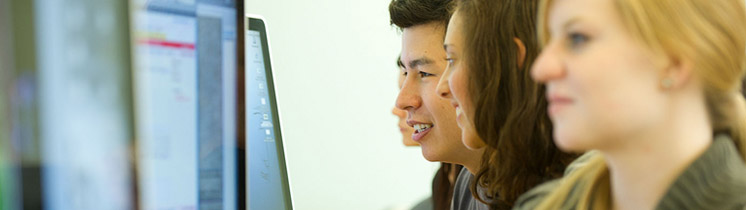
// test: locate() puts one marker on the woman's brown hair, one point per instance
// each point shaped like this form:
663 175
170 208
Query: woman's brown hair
510 108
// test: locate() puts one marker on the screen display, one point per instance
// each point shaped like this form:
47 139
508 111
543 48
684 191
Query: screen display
185 96
82 80
267 179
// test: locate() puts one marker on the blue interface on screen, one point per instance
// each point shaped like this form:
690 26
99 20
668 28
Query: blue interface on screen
265 184
185 103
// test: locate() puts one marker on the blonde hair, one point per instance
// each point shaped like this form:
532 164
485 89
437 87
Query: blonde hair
712 35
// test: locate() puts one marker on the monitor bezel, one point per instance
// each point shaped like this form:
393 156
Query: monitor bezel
257 23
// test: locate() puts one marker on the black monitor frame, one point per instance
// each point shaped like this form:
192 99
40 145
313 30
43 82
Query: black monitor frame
257 24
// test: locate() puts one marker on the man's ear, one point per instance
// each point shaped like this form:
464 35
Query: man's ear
521 51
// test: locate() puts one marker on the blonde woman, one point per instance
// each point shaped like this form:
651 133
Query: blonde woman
653 86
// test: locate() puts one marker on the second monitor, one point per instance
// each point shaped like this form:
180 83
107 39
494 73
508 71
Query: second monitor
267 184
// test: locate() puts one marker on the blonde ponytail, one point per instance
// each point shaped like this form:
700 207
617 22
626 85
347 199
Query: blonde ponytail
737 119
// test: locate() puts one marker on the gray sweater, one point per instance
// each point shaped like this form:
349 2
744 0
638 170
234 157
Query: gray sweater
716 180
462 198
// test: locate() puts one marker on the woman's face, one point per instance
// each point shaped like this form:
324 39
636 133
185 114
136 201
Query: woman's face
454 83
603 85
405 130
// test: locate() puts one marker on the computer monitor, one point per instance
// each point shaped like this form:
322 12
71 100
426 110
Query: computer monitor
185 103
267 182
82 76
6 166
68 92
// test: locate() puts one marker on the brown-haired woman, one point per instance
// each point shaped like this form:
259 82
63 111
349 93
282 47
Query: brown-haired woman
490 46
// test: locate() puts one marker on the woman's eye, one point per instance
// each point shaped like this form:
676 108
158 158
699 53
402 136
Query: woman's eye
450 61
425 74
577 40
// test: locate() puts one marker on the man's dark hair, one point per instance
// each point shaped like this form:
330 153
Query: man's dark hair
408 13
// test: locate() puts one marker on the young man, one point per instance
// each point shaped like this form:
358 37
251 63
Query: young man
423 25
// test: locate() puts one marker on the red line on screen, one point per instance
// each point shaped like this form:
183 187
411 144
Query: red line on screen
163 43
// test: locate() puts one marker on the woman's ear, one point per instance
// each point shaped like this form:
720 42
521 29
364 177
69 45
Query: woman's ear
521 51
677 74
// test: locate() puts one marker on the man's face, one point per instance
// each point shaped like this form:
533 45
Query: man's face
433 118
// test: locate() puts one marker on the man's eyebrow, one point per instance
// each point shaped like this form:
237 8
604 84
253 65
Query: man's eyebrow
399 63
445 46
419 62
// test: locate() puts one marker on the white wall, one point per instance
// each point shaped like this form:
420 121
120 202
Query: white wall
336 83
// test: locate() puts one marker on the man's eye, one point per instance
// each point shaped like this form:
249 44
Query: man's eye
450 61
425 74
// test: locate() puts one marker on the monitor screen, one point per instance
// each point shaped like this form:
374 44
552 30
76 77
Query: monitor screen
66 132
82 82
267 183
185 103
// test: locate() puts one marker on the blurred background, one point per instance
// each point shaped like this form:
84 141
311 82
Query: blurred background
110 104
